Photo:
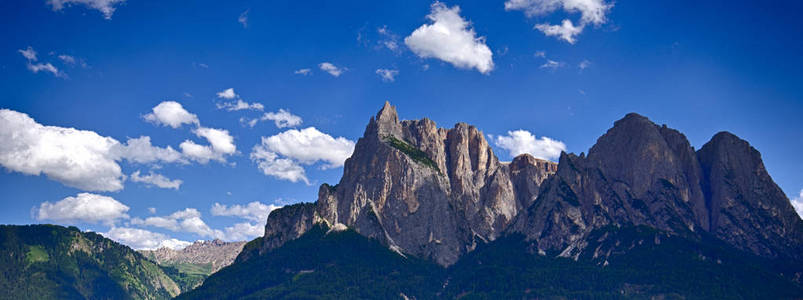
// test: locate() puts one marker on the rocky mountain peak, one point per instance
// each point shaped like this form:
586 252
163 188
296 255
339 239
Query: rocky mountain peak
438 193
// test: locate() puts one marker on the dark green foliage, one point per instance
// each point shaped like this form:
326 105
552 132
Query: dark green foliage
337 265
411 151
55 262
643 263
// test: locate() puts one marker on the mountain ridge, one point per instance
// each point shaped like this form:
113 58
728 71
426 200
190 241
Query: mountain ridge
438 193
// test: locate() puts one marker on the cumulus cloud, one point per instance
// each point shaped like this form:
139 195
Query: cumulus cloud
220 139
305 71
254 211
452 39
171 113
387 75
187 220
78 158
140 150
331 69
797 202
227 94
281 155
83 208
309 146
272 165
522 141
107 7
141 239
592 12
155 179
244 231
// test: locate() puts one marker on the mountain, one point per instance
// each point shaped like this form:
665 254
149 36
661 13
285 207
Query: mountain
431 192
198 260
55 262
642 215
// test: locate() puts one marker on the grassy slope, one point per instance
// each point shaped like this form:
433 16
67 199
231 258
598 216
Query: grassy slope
55 262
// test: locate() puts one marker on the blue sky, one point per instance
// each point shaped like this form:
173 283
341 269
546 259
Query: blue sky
103 66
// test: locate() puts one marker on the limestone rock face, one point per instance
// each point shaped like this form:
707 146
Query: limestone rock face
215 252
427 191
437 193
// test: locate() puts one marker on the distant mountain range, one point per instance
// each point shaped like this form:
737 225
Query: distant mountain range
201 258
423 212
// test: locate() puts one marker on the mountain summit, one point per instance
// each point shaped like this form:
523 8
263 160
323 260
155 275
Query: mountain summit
438 193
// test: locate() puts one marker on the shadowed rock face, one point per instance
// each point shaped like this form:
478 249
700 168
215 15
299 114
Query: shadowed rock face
437 193
641 174
748 209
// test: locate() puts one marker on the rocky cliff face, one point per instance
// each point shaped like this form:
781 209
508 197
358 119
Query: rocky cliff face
422 190
216 252
641 174
437 193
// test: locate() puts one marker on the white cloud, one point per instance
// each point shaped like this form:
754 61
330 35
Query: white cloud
84 207
388 39
67 59
244 231
47 67
140 150
227 94
331 69
77 158
243 19
152 210
28 53
309 146
305 71
566 31
220 139
282 168
187 220
141 239
452 39
281 155
552 65
155 179
240 105
797 202
591 12
200 153
171 113
522 141
387 75
282 118
254 211
106 7
236 105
